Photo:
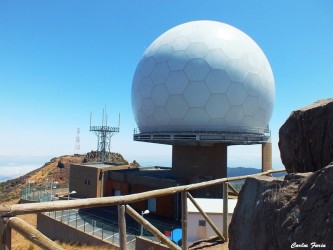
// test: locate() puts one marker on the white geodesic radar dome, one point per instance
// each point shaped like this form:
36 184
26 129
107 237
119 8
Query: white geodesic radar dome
203 76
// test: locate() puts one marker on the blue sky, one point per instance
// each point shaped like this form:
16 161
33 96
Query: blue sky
61 60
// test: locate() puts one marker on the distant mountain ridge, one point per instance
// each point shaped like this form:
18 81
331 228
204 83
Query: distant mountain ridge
57 169
232 172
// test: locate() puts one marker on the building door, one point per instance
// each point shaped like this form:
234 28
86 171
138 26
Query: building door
152 205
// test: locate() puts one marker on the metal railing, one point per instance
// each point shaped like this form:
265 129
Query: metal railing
105 229
219 129
42 193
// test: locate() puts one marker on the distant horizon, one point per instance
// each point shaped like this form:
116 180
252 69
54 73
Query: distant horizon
15 166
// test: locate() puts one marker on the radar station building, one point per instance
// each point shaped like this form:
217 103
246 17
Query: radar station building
201 87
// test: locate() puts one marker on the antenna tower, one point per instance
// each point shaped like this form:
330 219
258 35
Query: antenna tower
104 134
77 141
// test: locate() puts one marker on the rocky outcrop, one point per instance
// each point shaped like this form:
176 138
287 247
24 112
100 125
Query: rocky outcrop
306 138
280 213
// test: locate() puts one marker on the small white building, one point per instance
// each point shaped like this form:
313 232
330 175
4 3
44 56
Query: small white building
197 227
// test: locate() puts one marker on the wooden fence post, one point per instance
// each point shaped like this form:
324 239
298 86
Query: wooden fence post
122 227
32 234
147 225
233 189
225 210
5 234
184 219
215 229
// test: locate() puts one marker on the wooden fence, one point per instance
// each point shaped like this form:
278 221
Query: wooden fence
9 221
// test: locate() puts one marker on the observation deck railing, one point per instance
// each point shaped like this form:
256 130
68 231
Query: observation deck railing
9 221
226 134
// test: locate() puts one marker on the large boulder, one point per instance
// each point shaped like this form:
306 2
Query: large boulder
306 138
282 213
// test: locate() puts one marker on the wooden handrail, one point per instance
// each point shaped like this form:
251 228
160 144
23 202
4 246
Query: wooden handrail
32 234
8 212
28 208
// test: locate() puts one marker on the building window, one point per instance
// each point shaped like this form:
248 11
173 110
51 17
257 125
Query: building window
117 192
87 182
202 223
152 205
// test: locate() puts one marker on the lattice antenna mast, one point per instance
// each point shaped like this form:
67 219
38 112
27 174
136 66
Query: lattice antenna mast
77 141
104 134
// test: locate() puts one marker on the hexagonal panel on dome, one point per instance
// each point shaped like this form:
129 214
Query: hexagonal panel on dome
197 50
148 106
137 100
163 53
146 87
196 37
177 124
149 123
252 61
234 48
147 66
217 124
176 82
251 105
197 116
263 100
140 117
178 60
236 70
217 58
181 43
218 81
196 94
176 106
266 76
161 116
217 106
196 69
250 122
236 93
234 116
260 118
159 95
252 84
160 73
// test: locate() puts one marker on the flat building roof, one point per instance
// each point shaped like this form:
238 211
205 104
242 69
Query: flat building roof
214 206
